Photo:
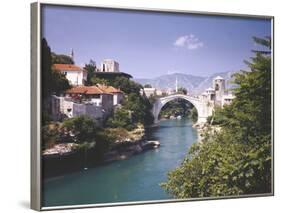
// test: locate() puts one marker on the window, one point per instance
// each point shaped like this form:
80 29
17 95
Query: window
217 87
96 96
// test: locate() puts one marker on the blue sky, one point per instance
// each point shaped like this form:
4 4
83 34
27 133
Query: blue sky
148 45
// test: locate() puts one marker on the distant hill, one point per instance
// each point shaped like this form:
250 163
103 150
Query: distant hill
194 84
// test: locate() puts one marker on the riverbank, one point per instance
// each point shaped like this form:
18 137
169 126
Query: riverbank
129 150
205 128
70 157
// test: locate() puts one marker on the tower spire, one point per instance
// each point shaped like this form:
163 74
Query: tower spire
176 84
72 54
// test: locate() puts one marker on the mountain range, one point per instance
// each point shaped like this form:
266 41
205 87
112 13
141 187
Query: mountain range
193 84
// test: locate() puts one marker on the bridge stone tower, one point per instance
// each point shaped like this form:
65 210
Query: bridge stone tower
219 87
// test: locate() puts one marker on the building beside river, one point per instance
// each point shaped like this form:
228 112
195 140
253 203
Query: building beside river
218 93
96 102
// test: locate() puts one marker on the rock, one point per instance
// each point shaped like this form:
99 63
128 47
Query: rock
150 145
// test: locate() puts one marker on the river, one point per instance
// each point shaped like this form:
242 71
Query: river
133 179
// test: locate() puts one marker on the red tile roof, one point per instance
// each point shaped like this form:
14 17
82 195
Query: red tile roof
67 67
109 89
89 90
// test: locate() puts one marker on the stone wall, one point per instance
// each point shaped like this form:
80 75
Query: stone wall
91 110
64 108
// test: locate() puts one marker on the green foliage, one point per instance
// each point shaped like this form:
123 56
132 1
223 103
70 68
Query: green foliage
152 99
82 128
182 90
121 118
117 133
237 159
147 86
91 69
95 81
84 131
175 108
126 85
61 59
222 167
218 117
264 42
52 81
140 108
194 114
50 135
136 108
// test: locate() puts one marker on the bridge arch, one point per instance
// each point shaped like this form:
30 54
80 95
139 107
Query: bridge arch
204 108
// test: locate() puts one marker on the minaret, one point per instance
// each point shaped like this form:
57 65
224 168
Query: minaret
176 84
72 54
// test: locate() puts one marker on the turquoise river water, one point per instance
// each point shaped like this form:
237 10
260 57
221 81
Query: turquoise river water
134 179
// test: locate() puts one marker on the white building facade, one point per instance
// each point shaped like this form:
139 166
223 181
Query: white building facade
218 93
73 73
149 92
96 102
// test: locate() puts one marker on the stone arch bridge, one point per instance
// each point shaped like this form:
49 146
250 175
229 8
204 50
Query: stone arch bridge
204 107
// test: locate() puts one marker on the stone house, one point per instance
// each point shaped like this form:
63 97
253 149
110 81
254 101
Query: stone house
91 95
118 95
95 101
218 93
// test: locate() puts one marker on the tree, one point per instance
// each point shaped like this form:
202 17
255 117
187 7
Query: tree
91 69
264 42
121 118
237 159
138 106
176 107
52 81
95 81
126 85
218 117
194 114
50 135
61 59
82 128
251 108
182 90
147 86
